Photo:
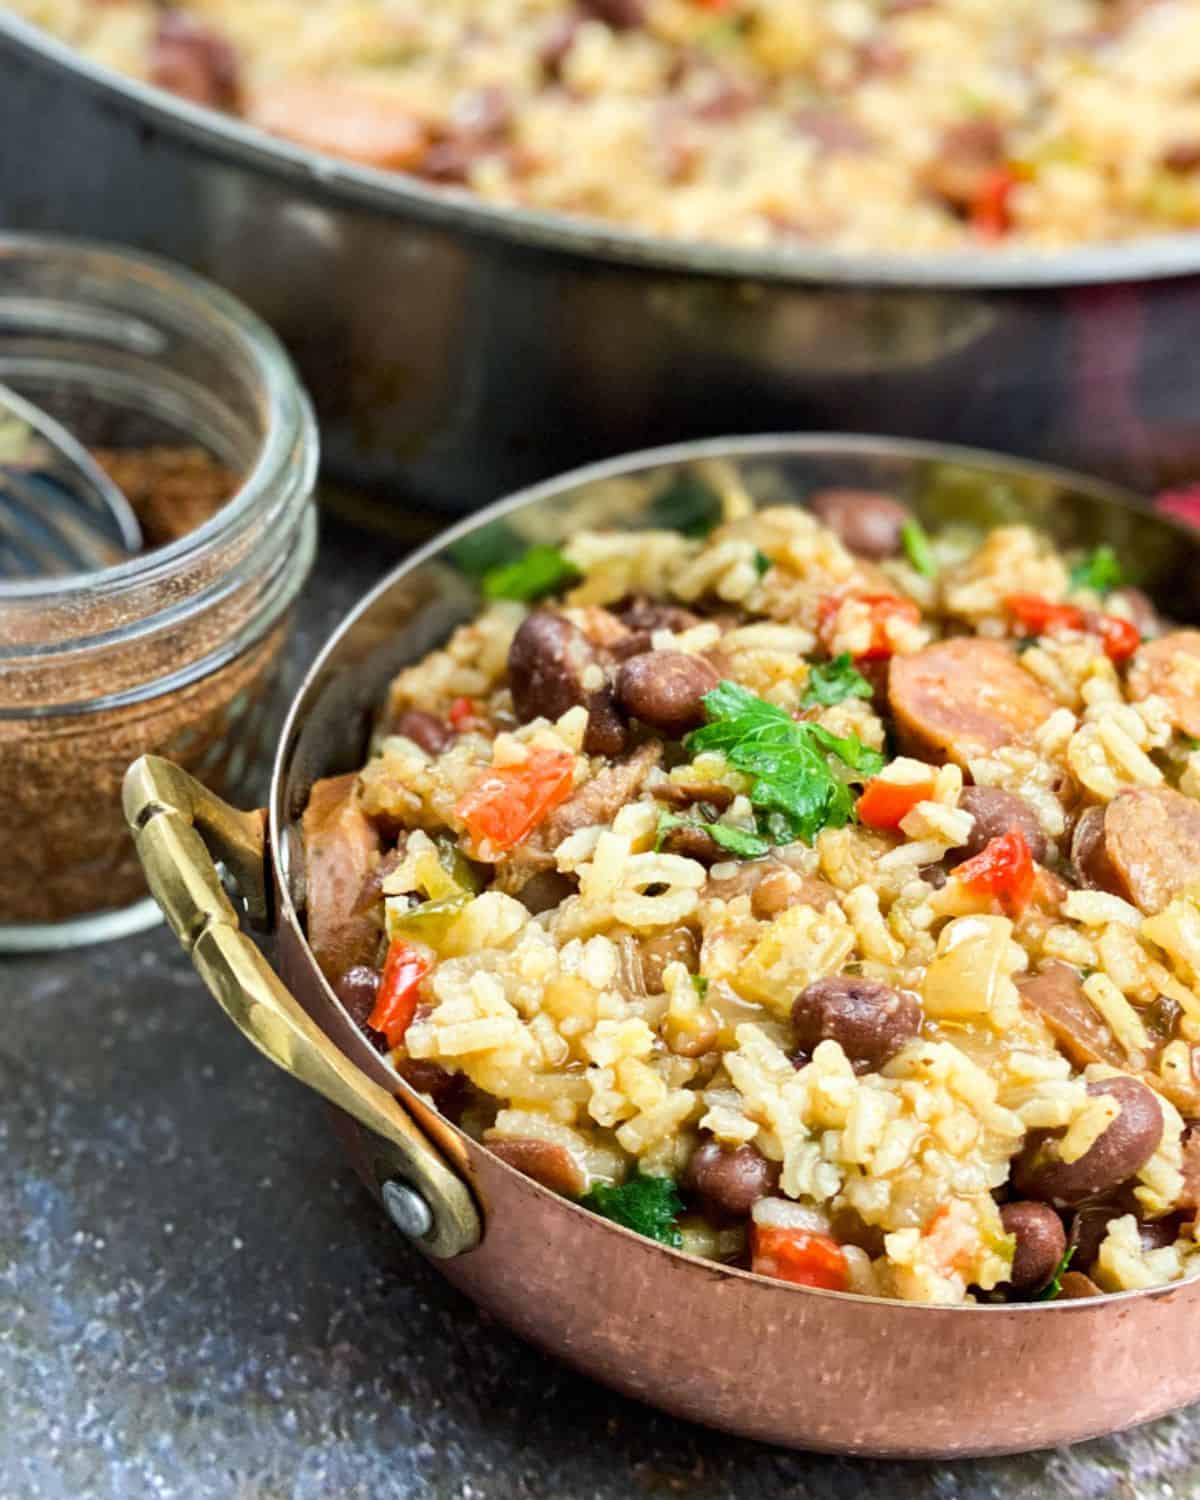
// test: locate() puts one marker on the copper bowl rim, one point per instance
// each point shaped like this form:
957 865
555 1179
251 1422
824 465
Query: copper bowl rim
709 448
1145 258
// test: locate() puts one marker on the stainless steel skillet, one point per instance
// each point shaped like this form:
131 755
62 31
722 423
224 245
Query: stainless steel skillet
456 349
786 1364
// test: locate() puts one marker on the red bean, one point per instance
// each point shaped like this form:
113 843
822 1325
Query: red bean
867 522
666 689
869 1020
432 734
1041 1243
1120 1151
729 1182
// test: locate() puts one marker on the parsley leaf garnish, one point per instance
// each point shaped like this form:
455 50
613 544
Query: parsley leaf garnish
1100 571
700 984
834 681
686 505
542 570
799 787
917 548
648 1204
1054 1285
762 563
736 840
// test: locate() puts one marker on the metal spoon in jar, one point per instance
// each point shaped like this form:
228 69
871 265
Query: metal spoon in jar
59 511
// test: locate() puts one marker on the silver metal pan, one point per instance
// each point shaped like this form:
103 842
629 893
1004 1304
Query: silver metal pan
456 349
723 1346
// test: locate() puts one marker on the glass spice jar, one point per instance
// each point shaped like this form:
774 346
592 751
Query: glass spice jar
190 399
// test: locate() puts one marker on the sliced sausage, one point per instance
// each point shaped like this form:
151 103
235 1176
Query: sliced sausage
193 61
729 1181
341 119
996 812
341 849
1055 992
545 1161
665 689
1121 1150
866 522
1041 1243
547 662
1157 668
967 154
1144 846
432 734
870 1021
599 800
964 697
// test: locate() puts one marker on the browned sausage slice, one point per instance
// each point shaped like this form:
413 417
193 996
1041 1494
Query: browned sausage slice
1056 993
964 697
1152 845
545 1161
1170 667
341 849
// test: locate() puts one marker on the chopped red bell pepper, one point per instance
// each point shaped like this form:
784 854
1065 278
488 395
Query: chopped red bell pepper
1003 869
396 1001
508 802
1040 616
800 1256
464 714
990 215
1119 638
885 804
882 608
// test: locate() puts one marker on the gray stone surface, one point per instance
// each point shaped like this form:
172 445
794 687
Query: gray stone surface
197 1300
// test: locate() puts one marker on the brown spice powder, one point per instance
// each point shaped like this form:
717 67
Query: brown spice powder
64 847
172 490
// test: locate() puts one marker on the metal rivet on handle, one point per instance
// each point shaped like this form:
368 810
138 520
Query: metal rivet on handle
407 1210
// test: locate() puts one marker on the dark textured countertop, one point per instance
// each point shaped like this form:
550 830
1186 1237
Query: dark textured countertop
197 1299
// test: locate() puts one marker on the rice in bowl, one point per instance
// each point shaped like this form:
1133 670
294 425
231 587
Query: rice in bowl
812 894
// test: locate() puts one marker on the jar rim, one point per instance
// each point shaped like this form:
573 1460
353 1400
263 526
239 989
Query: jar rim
289 438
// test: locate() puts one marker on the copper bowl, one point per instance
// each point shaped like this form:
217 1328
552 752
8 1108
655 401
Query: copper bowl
768 1360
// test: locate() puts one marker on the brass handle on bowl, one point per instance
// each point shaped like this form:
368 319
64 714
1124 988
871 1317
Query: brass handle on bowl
181 829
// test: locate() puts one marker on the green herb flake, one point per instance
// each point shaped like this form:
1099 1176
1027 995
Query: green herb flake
686 505
1099 571
738 841
1054 1286
541 571
1190 741
649 1205
762 563
801 772
834 681
700 985
917 548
